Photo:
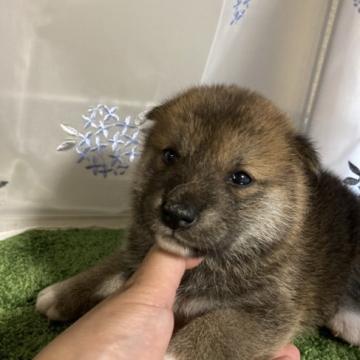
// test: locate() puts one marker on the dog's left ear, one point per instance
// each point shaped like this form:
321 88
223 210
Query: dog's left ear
308 155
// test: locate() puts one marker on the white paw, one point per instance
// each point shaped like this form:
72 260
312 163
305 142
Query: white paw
46 302
346 324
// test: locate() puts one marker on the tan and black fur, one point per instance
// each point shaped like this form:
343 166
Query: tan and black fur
280 254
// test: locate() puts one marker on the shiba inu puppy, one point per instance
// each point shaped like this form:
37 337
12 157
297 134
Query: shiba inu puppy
225 176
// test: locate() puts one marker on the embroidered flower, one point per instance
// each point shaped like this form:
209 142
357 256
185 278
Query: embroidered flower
351 181
356 3
109 144
239 9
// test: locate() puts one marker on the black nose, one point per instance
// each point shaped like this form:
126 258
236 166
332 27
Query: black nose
178 215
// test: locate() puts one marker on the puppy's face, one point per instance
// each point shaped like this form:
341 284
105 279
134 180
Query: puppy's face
221 168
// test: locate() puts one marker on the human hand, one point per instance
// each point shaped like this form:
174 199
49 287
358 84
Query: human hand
289 352
136 323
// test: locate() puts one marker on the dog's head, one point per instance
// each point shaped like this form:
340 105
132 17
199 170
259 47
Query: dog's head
222 167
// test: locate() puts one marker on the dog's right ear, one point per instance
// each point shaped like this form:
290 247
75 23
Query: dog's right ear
157 112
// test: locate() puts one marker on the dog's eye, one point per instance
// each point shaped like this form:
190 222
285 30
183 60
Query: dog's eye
240 178
169 156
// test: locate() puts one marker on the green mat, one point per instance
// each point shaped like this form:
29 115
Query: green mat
35 259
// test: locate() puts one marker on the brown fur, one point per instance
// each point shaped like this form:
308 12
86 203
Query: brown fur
280 254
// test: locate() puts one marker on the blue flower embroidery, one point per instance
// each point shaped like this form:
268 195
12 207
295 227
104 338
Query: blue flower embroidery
357 4
350 181
108 143
239 9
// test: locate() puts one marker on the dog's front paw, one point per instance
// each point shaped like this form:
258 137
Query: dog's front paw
346 324
69 299
47 303
66 300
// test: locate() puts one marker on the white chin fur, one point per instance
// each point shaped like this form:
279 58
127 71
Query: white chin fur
168 244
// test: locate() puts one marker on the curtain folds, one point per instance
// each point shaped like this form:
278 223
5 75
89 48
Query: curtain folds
335 122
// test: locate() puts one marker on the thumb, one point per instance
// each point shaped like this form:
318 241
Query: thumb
290 352
157 279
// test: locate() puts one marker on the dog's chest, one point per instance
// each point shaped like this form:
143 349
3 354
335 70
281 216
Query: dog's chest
198 294
191 307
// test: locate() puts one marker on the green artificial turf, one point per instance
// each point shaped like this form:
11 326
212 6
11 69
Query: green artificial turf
35 259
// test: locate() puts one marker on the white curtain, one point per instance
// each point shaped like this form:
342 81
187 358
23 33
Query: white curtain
335 122
60 58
